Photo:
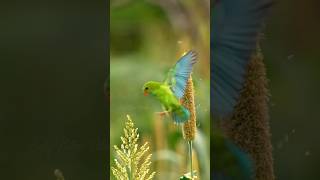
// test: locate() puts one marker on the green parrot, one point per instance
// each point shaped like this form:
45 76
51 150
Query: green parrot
170 92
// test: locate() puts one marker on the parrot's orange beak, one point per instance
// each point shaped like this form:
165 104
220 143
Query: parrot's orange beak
145 93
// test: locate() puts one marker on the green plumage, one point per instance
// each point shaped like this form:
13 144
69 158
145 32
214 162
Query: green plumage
163 93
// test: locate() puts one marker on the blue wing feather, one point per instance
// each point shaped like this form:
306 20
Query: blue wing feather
234 31
179 74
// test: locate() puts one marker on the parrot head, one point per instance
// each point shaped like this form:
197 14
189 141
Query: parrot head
149 87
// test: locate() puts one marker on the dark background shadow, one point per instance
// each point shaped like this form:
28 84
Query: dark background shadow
53 111
291 49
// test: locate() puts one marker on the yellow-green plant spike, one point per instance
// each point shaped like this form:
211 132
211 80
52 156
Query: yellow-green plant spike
59 175
130 156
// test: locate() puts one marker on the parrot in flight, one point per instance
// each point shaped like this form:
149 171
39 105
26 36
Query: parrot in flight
235 28
172 90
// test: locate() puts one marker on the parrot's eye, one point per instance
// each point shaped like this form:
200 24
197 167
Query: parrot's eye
146 88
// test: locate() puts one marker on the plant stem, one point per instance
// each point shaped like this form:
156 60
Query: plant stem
190 157
130 172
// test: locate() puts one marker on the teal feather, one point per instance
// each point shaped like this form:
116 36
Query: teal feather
180 115
229 161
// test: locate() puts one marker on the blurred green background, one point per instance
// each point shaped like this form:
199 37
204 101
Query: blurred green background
291 49
147 38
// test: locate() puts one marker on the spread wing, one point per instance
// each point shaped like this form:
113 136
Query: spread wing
235 27
178 75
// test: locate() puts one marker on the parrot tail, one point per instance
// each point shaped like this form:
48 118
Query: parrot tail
180 115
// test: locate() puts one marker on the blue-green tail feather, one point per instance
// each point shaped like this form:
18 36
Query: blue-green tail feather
180 115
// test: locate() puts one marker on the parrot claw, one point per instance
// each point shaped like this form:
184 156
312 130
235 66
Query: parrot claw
161 113
184 100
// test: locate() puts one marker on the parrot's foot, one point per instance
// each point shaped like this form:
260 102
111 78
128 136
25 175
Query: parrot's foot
162 113
184 100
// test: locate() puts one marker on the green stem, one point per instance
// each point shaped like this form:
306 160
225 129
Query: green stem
130 172
190 157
